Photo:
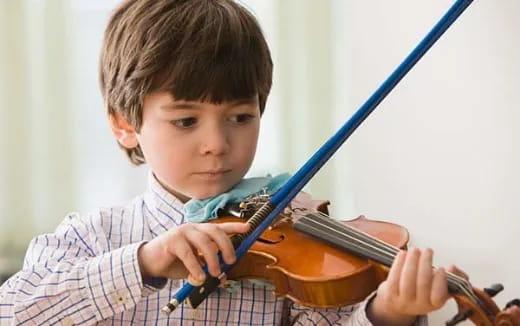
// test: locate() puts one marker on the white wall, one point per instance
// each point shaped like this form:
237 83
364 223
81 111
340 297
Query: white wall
440 155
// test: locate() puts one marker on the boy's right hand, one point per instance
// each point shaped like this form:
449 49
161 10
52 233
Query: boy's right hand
175 253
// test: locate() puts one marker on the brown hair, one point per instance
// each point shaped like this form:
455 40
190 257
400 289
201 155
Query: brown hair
198 50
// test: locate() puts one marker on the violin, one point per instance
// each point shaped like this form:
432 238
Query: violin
308 271
317 261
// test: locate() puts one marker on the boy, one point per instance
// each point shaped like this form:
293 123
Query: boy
185 83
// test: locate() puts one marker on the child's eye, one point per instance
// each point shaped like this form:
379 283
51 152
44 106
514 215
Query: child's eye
242 118
185 122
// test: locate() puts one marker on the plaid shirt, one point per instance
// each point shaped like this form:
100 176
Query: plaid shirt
87 272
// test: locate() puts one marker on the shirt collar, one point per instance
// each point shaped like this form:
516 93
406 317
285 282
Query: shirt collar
165 207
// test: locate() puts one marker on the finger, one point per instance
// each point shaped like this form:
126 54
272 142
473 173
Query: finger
195 282
457 271
425 276
206 247
439 292
199 256
407 284
233 227
177 271
394 274
222 241
184 252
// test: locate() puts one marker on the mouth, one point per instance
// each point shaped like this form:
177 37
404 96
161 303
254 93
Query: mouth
212 174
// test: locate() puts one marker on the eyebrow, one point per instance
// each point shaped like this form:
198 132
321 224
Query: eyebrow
195 105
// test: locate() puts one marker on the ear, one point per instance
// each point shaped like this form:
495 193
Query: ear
123 131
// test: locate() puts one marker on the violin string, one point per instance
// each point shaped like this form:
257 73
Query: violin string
454 281
350 245
365 238
374 251
382 252
323 217
316 229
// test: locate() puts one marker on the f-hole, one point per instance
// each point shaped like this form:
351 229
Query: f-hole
272 242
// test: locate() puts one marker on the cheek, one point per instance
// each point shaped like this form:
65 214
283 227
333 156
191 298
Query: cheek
163 152
247 145
171 166
172 158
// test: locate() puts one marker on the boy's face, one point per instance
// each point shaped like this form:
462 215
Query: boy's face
198 149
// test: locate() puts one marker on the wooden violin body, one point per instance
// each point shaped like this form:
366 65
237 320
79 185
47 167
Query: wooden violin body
311 272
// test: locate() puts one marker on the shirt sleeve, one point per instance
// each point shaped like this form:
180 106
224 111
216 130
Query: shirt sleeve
65 277
354 315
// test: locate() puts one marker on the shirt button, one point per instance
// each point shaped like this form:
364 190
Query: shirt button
121 298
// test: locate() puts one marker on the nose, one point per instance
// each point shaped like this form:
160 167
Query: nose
215 140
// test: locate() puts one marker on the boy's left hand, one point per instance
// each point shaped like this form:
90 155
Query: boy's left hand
412 288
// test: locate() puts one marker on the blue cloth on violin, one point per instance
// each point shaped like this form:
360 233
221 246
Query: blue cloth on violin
198 211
